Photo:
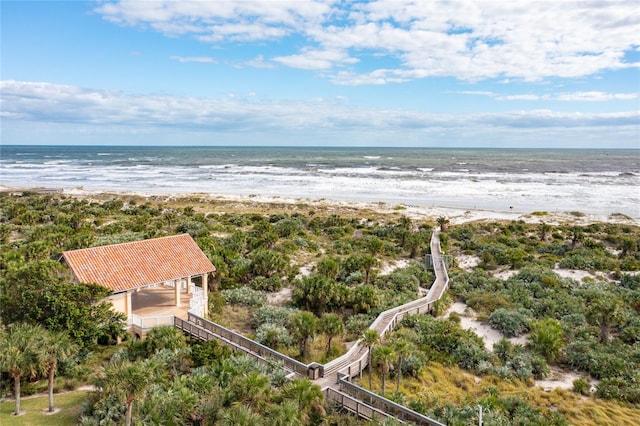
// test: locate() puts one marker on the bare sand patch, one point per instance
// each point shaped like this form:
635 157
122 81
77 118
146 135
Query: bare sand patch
576 274
392 266
467 262
558 378
468 321
506 274
279 297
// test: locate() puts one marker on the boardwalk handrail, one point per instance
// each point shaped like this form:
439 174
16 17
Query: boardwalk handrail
362 360
396 410
355 405
252 346
439 286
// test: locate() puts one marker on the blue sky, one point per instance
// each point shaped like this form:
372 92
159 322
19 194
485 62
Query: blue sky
380 73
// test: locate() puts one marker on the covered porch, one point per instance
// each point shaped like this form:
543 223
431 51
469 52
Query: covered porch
156 305
152 280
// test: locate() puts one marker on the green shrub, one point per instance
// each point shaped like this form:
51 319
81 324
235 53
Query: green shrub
581 386
273 335
356 324
271 314
510 323
273 283
486 303
244 296
621 389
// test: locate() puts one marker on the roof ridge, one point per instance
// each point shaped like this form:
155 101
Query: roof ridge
130 242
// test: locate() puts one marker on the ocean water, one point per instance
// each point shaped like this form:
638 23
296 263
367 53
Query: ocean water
590 181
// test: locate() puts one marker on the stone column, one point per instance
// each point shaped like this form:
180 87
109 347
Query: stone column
177 284
205 296
127 303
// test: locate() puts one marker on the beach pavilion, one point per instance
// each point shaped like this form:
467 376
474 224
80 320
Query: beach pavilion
152 280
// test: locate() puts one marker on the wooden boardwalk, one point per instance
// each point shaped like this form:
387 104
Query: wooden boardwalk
334 378
355 360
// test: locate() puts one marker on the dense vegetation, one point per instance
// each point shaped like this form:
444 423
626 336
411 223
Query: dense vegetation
332 263
591 326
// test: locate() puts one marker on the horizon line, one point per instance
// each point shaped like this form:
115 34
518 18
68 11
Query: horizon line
319 146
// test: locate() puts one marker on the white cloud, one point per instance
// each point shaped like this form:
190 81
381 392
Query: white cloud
475 92
259 62
197 59
216 20
467 39
591 96
33 111
46 102
523 97
595 96
315 59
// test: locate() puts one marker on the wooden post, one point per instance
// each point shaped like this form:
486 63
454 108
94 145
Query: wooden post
189 284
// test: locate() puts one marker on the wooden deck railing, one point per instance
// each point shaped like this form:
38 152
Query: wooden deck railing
208 330
382 404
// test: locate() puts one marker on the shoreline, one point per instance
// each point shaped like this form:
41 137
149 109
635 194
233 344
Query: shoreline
456 215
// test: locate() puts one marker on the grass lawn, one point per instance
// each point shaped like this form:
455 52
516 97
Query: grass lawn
70 404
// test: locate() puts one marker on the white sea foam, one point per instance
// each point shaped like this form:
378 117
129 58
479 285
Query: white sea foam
606 191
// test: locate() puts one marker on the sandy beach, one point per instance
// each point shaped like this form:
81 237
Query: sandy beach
262 202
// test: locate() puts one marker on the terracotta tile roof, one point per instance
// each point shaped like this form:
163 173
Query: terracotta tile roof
125 266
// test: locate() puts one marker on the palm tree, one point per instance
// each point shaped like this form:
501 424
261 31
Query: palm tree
332 326
367 262
252 390
628 245
374 245
414 242
328 267
604 312
239 415
576 236
405 225
130 379
442 222
19 347
370 338
384 356
57 346
303 326
308 395
543 228
403 349
285 414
